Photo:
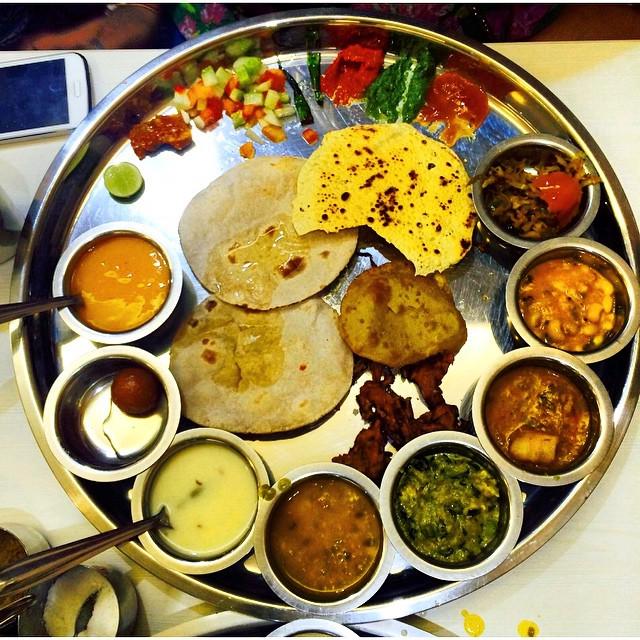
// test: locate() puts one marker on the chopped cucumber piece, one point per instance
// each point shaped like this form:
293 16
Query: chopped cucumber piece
181 100
256 99
238 119
284 97
209 77
250 64
190 73
286 111
263 86
239 47
223 75
199 122
217 91
272 118
271 99
201 104
244 79
123 180
237 95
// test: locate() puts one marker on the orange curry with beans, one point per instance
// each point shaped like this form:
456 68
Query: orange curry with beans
568 304
538 418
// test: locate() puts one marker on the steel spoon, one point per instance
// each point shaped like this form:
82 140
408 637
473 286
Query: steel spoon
15 310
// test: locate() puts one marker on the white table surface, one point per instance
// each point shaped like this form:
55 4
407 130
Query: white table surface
583 582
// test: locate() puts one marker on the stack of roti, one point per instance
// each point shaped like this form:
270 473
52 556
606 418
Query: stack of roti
238 237
261 371
261 355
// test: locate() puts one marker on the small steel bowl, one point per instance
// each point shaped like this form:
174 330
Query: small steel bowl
303 602
601 409
151 540
62 276
29 539
316 627
581 222
601 258
89 435
511 518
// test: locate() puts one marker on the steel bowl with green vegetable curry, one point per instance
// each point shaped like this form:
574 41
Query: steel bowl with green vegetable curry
447 508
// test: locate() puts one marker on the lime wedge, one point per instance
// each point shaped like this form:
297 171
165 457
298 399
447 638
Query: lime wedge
123 180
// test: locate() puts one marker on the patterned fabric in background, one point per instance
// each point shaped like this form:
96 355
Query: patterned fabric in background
487 22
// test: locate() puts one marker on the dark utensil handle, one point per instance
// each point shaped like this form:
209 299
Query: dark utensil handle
16 310
48 564
13 609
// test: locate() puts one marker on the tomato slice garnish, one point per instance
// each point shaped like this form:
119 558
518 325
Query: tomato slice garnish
562 194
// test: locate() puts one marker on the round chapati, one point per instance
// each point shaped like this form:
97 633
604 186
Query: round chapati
260 371
410 189
238 238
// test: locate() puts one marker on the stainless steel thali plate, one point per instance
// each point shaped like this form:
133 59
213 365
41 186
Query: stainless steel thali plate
71 200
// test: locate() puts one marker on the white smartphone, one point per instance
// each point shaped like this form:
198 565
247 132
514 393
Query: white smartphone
44 95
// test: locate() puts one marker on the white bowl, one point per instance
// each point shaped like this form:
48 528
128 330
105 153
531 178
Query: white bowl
139 503
61 277
280 588
594 391
79 402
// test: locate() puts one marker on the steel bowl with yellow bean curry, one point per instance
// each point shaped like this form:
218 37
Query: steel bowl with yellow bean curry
568 304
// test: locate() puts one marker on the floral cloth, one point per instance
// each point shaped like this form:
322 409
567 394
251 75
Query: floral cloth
486 22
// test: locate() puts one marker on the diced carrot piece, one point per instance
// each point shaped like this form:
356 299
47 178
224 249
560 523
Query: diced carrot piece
247 150
274 133
199 91
259 113
230 106
232 84
248 110
310 136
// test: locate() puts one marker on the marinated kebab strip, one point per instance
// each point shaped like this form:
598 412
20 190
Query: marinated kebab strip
391 416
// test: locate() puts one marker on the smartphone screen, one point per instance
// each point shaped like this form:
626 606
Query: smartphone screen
33 95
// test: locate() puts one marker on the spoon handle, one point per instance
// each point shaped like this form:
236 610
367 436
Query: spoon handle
50 563
16 310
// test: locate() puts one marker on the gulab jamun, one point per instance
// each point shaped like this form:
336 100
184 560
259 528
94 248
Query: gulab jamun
135 390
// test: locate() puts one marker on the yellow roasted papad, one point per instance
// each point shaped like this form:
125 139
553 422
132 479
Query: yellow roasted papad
238 237
410 189
260 371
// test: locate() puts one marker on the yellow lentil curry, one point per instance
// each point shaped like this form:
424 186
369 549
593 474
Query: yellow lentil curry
324 538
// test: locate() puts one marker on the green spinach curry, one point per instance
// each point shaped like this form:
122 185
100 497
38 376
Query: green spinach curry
447 507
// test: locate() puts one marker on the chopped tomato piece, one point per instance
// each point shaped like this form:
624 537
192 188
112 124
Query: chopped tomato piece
310 136
179 88
274 133
215 105
277 79
247 150
562 193
259 112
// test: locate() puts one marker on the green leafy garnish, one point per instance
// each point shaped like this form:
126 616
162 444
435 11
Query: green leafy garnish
398 93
